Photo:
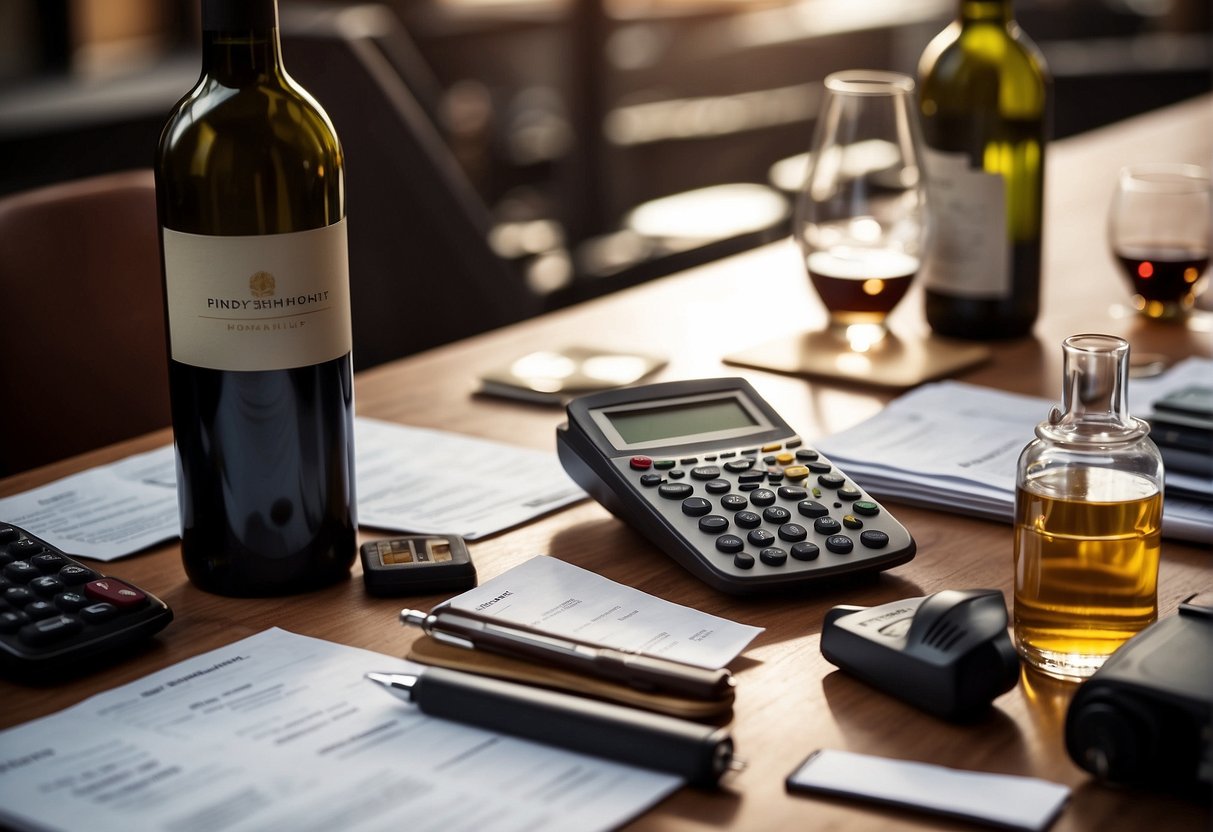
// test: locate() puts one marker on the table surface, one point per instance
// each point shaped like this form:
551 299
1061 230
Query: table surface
790 701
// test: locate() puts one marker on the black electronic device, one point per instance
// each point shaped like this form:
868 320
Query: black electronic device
1182 428
58 616
712 475
1146 717
417 564
949 654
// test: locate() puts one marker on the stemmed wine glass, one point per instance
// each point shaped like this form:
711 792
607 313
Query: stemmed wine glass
1159 227
862 218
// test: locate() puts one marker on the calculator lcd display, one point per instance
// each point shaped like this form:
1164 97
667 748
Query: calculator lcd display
681 420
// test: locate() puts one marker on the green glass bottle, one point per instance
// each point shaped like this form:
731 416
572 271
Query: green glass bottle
249 179
984 98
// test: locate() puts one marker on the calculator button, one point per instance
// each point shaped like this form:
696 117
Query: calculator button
752 476
663 464
826 525
874 539
675 490
791 492
76 574
695 506
20 572
769 459
762 497
728 454
839 544
649 480
849 493
811 508
771 446
710 457
733 502
866 508
743 560
785 458
794 442
747 519
19 596
819 467
70 601
8 534
736 466
807 455
46 585
773 556
641 463
729 544
50 630
760 537
705 472
793 532
40 609
96 613
774 477
119 593
805 551
12 620
831 480
48 561
25 549
796 472
749 452
689 460
718 486
776 514
713 524
852 522
677 474
747 486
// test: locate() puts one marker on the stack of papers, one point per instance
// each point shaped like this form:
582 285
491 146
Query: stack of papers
955 446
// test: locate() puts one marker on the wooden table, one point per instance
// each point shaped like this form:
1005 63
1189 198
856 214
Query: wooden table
790 700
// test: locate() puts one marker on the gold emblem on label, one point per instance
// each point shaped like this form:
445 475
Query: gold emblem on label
261 285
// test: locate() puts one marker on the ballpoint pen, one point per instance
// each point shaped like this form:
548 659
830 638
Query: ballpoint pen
651 673
700 753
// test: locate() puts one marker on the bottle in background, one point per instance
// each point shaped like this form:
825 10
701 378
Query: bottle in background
249 178
1088 519
984 97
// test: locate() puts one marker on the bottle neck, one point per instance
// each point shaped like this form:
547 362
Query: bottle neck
986 11
1095 403
240 44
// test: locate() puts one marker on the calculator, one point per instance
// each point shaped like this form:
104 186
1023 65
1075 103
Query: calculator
710 473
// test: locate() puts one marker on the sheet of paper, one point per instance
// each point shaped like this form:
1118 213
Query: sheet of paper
955 446
997 799
280 731
565 600
428 481
408 479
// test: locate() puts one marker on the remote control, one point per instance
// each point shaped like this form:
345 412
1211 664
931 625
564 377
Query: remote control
58 616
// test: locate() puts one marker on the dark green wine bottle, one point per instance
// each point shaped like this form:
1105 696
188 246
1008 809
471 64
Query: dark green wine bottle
984 97
249 185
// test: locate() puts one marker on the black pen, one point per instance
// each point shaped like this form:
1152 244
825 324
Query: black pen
699 753
650 673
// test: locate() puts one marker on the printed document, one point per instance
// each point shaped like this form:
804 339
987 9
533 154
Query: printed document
281 731
548 594
408 479
955 446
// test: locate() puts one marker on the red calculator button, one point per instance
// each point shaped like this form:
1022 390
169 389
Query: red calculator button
641 463
118 593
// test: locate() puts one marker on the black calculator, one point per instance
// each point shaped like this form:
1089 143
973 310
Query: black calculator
58 616
711 474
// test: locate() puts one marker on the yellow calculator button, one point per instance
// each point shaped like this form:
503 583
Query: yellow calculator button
796 472
774 446
785 457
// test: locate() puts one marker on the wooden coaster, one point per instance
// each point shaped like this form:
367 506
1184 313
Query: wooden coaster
893 362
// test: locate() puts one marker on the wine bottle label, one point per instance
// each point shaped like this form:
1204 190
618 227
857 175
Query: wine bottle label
971 256
265 302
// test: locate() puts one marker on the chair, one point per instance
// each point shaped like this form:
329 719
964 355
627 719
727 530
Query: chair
82 347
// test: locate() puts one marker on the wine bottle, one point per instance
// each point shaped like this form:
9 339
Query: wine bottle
984 97
250 194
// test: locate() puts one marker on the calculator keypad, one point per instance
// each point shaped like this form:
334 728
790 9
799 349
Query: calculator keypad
770 511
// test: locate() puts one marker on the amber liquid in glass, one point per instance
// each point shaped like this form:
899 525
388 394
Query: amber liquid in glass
1087 545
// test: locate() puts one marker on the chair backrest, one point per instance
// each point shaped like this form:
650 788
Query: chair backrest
82 345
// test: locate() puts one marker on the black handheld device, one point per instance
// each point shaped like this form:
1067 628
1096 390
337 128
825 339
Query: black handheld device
949 654
417 564
1146 716
711 474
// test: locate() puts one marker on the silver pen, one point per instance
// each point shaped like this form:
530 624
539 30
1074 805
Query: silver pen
649 673
699 753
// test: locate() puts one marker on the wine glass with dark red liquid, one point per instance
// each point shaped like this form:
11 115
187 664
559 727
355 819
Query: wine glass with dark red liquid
1160 226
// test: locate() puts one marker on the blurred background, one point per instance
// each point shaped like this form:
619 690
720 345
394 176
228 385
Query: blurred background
536 153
